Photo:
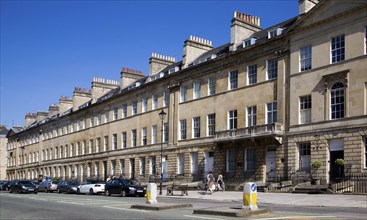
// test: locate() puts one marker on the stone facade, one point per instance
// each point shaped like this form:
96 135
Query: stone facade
245 110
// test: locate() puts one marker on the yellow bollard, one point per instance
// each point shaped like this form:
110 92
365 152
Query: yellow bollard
250 196
151 197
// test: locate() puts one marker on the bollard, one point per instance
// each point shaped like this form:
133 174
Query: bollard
151 197
250 196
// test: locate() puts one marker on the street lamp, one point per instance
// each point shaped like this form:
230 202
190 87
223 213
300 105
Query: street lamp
162 115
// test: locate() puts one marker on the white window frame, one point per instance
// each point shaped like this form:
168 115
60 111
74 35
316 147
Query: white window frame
105 143
271 110
337 48
196 90
196 127
183 129
115 113
154 134
144 104
98 145
304 153
144 136
134 109
305 109
114 142
124 111
211 125
165 98
337 92
91 146
233 80
232 119
271 69
154 102
123 140
251 116
183 94
142 166
211 86
305 58
251 74
133 137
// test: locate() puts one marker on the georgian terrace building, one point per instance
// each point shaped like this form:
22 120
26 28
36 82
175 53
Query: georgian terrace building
242 109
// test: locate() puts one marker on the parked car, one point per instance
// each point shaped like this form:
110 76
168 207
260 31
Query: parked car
22 186
67 186
124 187
48 186
36 183
4 185
91 187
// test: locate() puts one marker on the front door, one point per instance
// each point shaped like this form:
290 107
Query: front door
209 161
336 152
270 164
132 168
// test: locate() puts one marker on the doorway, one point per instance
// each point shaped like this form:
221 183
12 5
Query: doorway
270 164
336 152
209 162
132 168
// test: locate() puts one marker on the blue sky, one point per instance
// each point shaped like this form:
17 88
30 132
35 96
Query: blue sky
50 47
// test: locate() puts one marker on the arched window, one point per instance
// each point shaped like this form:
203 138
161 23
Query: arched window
337 100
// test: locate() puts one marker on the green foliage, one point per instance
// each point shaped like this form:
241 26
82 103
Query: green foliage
339 162
316 164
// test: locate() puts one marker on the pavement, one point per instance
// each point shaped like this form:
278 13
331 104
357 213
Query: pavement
314 200
304 200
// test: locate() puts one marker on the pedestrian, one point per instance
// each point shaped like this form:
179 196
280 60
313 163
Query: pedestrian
210 180
220 182
109 178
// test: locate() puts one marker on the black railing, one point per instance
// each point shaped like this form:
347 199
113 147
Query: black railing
352 183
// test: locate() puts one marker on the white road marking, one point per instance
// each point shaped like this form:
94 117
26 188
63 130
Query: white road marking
125 209
191 216
292 217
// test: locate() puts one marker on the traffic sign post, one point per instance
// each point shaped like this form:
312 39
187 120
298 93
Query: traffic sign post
250 196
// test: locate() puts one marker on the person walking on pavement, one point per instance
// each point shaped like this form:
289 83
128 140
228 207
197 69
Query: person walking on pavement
220 182
210 180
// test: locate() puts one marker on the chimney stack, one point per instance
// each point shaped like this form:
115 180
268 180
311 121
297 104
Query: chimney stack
102 86
242 27
193 48
65 103
53 110
41 115
81 96
129 76
306 5
30 118
158 62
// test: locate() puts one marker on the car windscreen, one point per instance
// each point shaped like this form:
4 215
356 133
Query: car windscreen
25 182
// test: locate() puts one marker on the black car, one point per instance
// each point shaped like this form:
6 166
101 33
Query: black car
67 186
22 186
4 185
124 187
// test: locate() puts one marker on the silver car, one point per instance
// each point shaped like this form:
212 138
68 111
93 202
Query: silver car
48 186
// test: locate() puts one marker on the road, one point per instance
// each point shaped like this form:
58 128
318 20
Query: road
64 206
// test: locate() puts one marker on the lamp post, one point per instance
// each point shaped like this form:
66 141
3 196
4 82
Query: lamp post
162 115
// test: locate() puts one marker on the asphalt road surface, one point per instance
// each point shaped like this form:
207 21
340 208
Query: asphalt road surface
70 207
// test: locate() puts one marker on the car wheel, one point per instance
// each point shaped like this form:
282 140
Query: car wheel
78 191
10 191
58 190
35 192
91 191
68 191
123 193
107 193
